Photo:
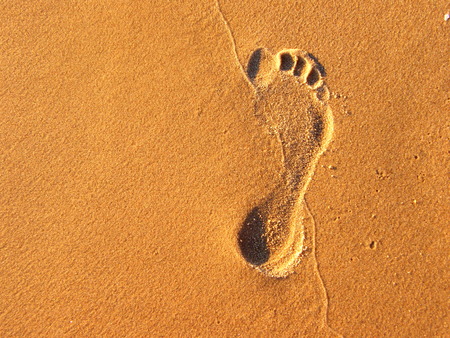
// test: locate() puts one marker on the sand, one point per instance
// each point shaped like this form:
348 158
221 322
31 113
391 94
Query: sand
131 155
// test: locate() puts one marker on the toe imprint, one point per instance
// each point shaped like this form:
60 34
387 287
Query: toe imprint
299 65
286 61
292 98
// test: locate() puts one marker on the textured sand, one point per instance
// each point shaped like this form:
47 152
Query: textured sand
129 157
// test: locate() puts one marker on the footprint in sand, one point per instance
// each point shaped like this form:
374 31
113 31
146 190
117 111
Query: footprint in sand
291 99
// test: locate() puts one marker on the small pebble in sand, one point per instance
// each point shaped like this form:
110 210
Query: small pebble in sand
447 16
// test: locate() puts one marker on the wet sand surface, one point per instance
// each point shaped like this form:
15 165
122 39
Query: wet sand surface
130 156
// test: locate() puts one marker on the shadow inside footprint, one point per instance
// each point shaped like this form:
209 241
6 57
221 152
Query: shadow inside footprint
251 239
286 62
253 64
299 67
318 65
317 125
313 77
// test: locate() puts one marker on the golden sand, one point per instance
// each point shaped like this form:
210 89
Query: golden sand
133 148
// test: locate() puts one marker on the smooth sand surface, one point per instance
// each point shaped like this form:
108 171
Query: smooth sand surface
130 156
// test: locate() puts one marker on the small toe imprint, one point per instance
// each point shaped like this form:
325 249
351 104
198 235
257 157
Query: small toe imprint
299 66
322 93
286 62
313 77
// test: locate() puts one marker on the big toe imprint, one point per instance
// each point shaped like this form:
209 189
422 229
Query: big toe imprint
292 98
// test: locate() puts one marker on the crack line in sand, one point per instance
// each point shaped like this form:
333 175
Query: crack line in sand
244 73
316 266
233 42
